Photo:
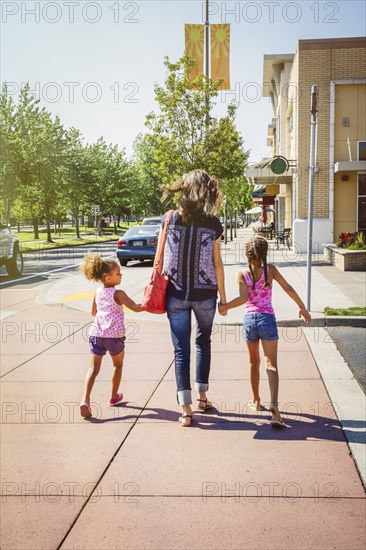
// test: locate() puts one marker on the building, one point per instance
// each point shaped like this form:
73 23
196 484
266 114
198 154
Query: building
338 68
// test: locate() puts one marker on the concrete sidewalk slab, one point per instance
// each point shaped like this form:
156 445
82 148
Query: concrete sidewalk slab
10 362
327 462
62 454
37 522
75 366
189 522
58 402
305 401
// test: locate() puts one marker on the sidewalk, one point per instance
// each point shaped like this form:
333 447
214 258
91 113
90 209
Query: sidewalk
133 477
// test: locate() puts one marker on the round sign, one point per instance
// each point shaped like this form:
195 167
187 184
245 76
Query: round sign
279 165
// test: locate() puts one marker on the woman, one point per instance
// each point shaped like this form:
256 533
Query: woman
192 260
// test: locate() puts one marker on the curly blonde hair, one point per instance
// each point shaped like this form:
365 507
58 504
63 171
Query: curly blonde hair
257 249
197 189
94 267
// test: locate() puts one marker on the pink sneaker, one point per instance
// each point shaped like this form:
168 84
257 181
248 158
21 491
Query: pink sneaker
117 400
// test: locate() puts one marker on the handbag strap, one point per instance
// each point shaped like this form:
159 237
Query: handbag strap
161 243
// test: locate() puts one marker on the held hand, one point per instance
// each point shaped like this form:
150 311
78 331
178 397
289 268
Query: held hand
304 313
222 309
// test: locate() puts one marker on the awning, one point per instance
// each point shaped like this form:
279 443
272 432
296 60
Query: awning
261 173
350 166
258 210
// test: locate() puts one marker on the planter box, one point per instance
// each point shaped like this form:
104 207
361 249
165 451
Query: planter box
346 260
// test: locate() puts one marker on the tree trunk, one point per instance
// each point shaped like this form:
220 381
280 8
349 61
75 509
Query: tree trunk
114 223
35 228
77 226
49 235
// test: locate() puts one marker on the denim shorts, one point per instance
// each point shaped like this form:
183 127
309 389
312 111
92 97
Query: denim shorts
259 326
100 346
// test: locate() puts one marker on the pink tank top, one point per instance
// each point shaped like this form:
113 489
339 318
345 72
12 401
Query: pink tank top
109 320
259 299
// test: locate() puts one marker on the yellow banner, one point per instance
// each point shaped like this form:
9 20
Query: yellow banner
220 54
194 45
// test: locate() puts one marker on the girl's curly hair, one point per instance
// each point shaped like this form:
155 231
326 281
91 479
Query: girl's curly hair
94 267
254 249
197 189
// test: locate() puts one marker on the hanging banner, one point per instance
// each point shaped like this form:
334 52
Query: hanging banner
220 54
194 45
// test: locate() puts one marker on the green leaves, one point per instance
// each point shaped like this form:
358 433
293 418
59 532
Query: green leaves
184 135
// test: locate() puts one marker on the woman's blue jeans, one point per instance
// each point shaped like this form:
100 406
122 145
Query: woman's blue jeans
179 315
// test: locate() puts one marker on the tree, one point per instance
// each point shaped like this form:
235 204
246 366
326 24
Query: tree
7 154
146 193
184 135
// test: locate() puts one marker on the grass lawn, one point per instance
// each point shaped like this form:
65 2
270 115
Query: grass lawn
355 311
67 237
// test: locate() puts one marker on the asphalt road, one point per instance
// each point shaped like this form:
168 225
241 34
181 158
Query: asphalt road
43 265
351 344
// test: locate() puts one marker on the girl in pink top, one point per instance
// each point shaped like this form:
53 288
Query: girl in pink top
255 292
107 333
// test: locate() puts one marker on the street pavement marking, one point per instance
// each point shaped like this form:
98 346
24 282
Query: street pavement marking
42 274
5 314
77 296
82 295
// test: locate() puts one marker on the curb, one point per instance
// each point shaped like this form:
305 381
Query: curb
78 245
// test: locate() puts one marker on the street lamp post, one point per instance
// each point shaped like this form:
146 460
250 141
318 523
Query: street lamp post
236 220
313 127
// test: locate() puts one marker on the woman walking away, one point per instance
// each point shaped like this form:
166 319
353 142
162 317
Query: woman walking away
192 260
107 332
255 291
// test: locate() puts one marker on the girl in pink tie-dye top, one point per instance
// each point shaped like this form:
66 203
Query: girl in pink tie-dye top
259 323
107 332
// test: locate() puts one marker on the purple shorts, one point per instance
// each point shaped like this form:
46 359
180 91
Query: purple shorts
100 346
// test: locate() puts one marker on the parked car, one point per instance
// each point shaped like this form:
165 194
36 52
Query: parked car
138 243
11 252
152 221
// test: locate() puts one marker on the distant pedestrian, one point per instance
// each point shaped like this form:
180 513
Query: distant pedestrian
255 292
192 260
107 333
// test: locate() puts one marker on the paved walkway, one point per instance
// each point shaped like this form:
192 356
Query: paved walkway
134 478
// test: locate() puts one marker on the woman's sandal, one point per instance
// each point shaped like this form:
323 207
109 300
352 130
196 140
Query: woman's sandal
207 405
254 406
185 423
279 423
85 409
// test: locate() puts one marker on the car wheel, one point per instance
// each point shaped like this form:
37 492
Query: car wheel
123 262
14 266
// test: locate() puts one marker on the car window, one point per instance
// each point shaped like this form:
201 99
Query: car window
141 230
153 221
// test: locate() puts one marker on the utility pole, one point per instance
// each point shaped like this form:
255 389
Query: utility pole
313 128
207 42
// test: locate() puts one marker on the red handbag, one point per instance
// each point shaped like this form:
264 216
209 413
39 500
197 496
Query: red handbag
155 292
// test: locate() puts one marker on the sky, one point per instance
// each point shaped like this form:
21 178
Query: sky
95 63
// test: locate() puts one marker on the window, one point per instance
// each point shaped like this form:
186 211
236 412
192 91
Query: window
361 203
361 150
